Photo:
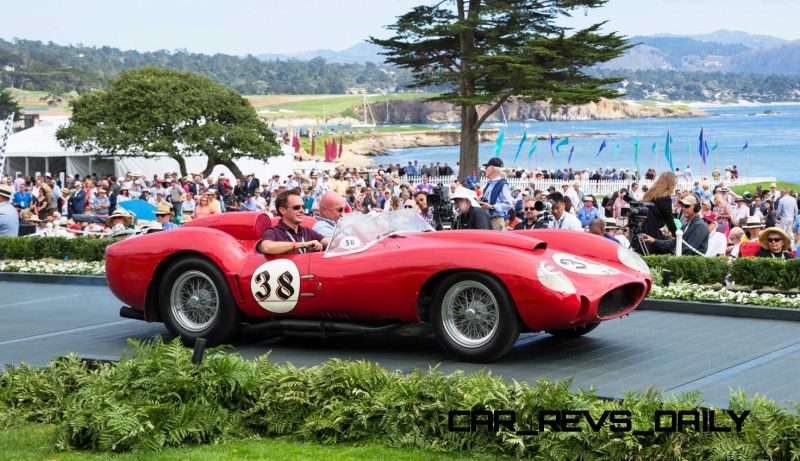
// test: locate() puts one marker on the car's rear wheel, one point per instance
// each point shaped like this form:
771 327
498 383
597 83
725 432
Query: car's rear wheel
196 302
474 317
574 332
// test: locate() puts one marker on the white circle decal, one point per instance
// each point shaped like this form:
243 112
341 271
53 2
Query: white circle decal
580 265
348 243
276 285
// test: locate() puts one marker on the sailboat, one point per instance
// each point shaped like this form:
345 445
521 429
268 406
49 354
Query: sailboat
504 123
365 123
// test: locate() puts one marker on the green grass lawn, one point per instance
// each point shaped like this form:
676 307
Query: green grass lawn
328 105
739 190
34 442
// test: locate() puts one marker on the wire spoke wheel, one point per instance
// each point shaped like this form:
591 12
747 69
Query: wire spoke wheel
470 314
194 301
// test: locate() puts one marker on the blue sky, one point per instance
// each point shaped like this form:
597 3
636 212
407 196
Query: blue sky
272 26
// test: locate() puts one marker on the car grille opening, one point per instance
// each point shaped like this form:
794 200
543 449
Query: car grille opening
619 300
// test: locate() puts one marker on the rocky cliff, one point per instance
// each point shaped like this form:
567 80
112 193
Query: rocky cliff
420 111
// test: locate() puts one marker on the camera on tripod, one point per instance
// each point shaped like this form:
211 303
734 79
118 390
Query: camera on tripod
637 214
442 209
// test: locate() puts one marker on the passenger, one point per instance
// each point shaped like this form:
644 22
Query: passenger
331 208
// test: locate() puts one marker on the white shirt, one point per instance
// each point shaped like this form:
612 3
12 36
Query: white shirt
739 213
717 244
567 222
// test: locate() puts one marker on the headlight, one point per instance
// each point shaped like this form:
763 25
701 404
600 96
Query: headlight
632 260
552 277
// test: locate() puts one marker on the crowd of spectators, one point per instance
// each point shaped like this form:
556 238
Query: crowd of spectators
714 220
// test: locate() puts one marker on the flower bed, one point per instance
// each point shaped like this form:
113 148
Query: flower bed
54 267
692 292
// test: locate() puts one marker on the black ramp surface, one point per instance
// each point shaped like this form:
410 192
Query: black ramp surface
674 352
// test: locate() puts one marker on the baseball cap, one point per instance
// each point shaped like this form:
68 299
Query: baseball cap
689 200
711 217
494 161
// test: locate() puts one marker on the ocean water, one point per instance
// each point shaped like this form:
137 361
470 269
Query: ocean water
773 140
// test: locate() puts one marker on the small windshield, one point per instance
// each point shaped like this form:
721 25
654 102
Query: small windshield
355 232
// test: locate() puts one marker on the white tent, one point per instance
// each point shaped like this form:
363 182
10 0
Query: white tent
36 150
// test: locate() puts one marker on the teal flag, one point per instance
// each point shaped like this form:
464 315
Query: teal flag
499 146
616 151
714 147
668 151
533 146
519 149
563 142
653 148
636 151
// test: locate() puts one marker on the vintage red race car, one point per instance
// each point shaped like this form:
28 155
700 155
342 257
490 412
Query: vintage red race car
477 289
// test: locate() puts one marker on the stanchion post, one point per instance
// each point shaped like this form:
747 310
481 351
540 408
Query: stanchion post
199 350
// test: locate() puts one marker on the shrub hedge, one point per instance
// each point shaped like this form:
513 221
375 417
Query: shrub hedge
753 272
84 249
158 398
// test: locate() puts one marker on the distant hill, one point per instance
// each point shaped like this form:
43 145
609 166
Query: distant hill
360 53
731 37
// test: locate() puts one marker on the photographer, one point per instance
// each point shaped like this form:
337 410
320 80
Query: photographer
661 214
470 213
530 217
695 232
425 210
562 219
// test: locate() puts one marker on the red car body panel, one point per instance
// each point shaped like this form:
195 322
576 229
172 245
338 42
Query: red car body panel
386 280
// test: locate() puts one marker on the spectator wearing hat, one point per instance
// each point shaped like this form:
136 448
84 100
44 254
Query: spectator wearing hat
588 212
77 200
188 205
470 213
164 217
597 226
100 204
572 193
775 243
695 232
497 195
740 213
211 194
751 228
9 219
717 243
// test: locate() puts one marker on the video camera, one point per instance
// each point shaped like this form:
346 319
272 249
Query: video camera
637 214
545 210
442 209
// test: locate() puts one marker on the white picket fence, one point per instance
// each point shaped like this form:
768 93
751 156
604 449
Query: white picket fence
602 187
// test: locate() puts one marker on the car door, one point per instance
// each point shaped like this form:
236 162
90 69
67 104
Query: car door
276 285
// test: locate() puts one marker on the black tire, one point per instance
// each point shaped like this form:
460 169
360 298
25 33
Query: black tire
574 332
487 347
217 325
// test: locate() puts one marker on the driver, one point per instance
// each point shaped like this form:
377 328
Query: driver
288 236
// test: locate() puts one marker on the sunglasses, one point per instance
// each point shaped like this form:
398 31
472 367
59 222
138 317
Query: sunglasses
527 208
297 207
409 206
774 240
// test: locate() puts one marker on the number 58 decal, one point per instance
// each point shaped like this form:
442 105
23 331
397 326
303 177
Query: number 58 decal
276 285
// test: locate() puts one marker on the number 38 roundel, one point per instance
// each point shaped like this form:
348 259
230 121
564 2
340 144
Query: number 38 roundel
276 285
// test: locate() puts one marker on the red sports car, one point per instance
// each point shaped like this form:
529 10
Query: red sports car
477 289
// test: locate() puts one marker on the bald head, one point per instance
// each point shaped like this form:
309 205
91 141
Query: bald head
331 206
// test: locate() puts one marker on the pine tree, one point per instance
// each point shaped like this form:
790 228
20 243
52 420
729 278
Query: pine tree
488 51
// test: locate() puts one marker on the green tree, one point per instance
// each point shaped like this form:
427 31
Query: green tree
8 105
150 110
487 51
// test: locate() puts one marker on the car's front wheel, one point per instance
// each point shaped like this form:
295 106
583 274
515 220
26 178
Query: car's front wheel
474 317
196 302
574 332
